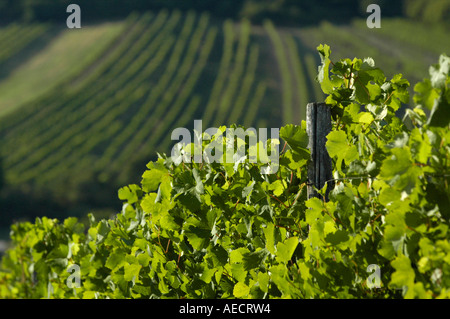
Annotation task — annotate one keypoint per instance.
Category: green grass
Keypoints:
(84, 110)
(61, 60)
(15, 38)
(284, 69)
(222, 72)
(429, 38)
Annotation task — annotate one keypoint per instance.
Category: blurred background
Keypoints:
(82, 111)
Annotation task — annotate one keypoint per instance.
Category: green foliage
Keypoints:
(216, 230)
(431, 12)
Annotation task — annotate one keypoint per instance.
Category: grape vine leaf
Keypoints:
(440, 113)
(286, 249)
(241, 290)
(296, 137)
(439, 72)
(338, 146)
(323, 75)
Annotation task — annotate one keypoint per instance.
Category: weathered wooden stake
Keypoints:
(318, 125)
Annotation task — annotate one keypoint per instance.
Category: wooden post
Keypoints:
(318, 125)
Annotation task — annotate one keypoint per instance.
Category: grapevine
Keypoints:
(218, 230)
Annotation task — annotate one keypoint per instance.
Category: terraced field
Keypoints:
(82, 113)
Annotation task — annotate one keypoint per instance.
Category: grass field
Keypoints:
(83, 111)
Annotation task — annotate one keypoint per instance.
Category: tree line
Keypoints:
(290, 12)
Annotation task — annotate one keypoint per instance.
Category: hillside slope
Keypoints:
(83, 111)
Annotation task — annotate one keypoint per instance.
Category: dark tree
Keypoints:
(294, 12)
